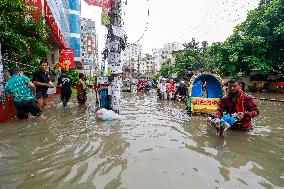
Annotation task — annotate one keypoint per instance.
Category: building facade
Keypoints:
(75, 30)
(63, 19)
(132, 52)
(165, 53)
(89, 45)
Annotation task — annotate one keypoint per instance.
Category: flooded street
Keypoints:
(155, 145)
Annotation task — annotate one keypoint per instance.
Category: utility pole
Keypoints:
(114, 45)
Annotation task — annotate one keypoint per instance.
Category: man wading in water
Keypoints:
(21, 88)
(41, 81)
(237, 102)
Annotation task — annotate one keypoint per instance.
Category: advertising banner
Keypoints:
(99, 3)
(66, 59)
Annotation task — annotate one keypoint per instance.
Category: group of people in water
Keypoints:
(30, 96)
(170, 91)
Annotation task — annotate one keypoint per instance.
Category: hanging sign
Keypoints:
(66, 59)
(105, 17)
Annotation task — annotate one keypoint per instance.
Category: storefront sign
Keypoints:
(66, 59)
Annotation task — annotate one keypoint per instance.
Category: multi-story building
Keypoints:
(131, 54)
(165, 53)
(148, 67)
(89, 45)
(75, 30)
(63, 18)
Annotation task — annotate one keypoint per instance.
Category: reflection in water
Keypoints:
(155, 145)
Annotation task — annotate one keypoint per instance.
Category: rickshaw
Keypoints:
(206, 82)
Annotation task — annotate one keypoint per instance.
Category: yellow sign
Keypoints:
(204, 105)
(108, 72)
(105, 18)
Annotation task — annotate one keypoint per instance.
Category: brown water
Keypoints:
(156, 145)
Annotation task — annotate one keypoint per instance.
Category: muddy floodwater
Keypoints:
(155, 145)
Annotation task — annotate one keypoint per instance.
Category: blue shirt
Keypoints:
(18, 86)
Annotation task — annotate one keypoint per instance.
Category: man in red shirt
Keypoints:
(237, 102)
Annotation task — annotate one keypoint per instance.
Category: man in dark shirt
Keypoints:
(41, 81)
(237, 102)
(64, 82)
(182, 89)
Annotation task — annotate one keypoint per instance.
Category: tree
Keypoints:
(23, 39)
(257, 43)
(193, 57)
(165, 69)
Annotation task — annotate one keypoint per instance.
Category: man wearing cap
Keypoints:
(21, 88)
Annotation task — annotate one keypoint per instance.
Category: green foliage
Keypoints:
(193, 57)
(23, 39)
(74, 75)
(91, 79)
(165, 70)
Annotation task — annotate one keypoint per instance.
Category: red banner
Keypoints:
(66, 59)
(99, 3)
(35, 7)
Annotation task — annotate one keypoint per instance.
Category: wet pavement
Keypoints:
(155, 145)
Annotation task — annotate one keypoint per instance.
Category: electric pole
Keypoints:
(115, 43)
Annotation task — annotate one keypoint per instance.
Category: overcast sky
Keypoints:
(176, 20)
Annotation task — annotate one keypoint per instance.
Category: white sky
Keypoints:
(175, 20)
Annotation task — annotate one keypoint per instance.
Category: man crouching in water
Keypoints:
(237, 102)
